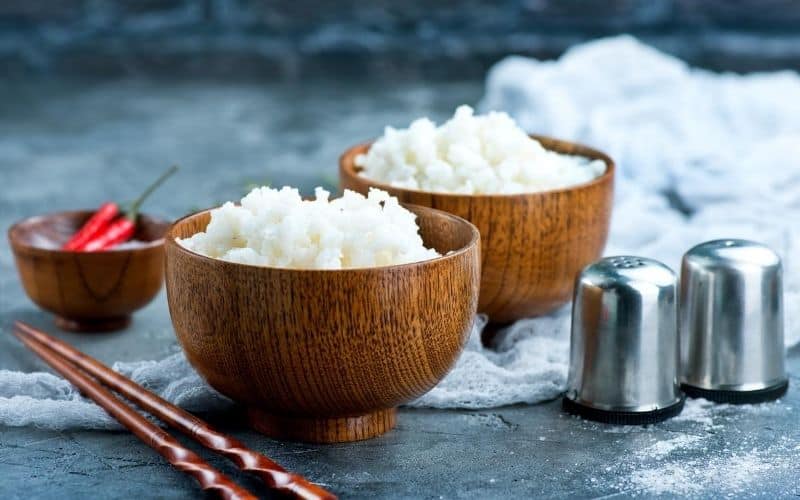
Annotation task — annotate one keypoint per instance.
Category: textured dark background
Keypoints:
(436, 39)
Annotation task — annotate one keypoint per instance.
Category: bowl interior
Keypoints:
(440, 230)
(51, 231)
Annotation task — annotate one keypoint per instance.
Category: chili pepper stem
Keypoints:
(123, 228)
(133, 211)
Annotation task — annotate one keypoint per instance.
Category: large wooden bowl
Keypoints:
(87, 291)
(533, 244)
(325, 355)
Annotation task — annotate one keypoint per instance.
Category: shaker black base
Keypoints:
(738, 397)
(621, 417)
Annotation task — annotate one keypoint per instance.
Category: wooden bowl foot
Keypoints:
(93, 325)
(323, 430)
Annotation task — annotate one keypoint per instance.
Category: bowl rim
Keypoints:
(473, 242)
(18, 245)
(347, 165)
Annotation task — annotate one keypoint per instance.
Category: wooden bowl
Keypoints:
(532, 244)
(325, 355)
(87, 291)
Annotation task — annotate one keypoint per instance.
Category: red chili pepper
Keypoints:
(123, 228)
(92, 227)
(118, 232)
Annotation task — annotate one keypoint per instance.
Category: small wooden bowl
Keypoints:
(87, 291)
(325, 355)
(532, 244)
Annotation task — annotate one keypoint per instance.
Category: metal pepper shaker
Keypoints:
(624, 345)
(731, 322)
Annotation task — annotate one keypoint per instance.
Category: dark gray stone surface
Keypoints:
(439, 38)
(77, 144)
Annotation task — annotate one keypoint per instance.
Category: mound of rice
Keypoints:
(470, 154)
(278, 228)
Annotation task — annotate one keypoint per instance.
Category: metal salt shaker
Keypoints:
(731, 322)
(624, 348)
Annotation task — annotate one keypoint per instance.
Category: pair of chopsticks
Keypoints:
(69, 362)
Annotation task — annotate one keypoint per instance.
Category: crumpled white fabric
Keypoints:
(48, 401)
(700, 156)
(527, 364)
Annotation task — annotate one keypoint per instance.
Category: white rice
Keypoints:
(487, 154)
(278, 228)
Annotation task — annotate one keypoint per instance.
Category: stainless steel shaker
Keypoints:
(731, 322)
(624, 345)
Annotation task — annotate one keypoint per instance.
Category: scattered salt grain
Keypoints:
(699, 411)
(694, 461)
(663, 448)
(730, 474)
(487, 154)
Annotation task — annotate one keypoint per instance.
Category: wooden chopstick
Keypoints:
(275, 476)
(182, 458)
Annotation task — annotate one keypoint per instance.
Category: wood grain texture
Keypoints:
(533, 244)
(276, 477)
(327, 430)
(336, 350)
(94, 291)
(183, 459)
